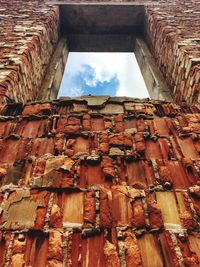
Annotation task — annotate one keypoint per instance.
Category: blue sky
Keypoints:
(115, 74)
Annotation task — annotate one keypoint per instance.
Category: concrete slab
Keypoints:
(101, 42)
(101, 19)
(101, 28)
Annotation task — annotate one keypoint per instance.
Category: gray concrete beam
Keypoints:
(101, 19)
(101, 42)
(118, 3)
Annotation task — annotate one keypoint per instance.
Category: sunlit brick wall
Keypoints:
(100, 182)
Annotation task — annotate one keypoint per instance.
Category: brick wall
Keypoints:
(99, 181)
(174, 37)
(28, 35)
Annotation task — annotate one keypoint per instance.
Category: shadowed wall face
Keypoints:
(28, 35)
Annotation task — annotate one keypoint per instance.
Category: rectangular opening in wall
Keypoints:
(102, 43)
(100, 73)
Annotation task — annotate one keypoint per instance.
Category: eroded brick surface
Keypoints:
(60, 189)
(28, 36)
(99, 181)
(176, 46)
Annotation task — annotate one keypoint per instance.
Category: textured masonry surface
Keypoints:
(28, 36)
(100, 181)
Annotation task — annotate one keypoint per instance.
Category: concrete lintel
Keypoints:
(154, 80)
(101, 19)
(144, 3)
(101, 43)
(54, 74)
(54, 2)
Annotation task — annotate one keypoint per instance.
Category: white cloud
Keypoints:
(76, 91)
(73, 91)
(105, 66)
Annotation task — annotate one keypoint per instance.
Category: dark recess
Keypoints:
(98, 28)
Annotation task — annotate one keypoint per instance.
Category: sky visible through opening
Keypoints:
(114, 74)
